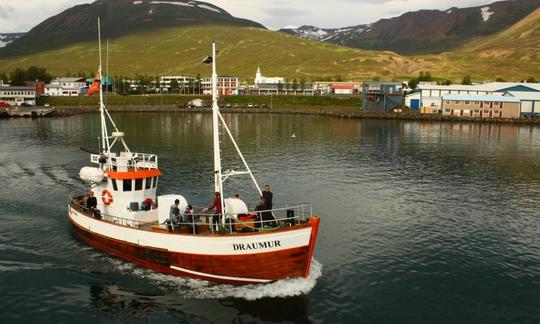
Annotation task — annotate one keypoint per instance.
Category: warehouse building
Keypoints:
(429, 97)
(481, 106)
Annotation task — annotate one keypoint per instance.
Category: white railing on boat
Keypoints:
(287, 215)
(126, 160)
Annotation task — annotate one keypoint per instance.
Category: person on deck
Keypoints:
(147, 204)
(216, 206)
(174, 215)
(189, 218)
(268, 197)
(91, 204)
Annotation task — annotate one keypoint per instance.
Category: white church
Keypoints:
(260, 79)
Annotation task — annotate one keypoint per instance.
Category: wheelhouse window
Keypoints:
(138, 184)
(127, 185)
(148, 183)
(114, 185)
(155, 182)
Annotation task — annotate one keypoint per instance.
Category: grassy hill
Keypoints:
(510, 54)
(180, 50)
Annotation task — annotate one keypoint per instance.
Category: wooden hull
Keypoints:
(273, 262)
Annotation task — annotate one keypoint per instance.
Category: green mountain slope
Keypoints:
(119, 18)
(510, 54)
(179, 51)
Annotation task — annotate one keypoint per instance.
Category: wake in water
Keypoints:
(199, 289)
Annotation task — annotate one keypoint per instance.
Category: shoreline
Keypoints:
(333, 111)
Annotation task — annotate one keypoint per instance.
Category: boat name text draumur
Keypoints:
(256, 245)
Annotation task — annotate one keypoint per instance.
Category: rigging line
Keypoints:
(239, 153)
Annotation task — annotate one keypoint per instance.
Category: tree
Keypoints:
(466, 80)
(302, 84)
(531, 79)
(198, 80)
(294, 84)
(174, 85)
(500, 80)
(17, 77)
(279, 87)
(4, 77)
(35, 73)
(338, 78)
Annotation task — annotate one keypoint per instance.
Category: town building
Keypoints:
(429, 97)
(226, 85)
(260, 79)
(183, 82)
(485, 106)
(337, 88)
(17, 96)
(65, 87)
(381, 96)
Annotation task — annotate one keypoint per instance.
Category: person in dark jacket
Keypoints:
(268, 197)
(91, 204)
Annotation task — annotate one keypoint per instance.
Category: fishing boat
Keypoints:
(236, 246)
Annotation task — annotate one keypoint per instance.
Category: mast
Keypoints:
(218, 185)
(104, 134)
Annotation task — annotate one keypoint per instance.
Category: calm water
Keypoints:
(421, 222)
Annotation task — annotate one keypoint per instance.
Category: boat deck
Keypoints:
(202, 224)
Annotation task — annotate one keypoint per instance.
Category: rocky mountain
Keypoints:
(6, 38)
(119, 18)
(425, 31)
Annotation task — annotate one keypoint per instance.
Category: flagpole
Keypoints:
(218, 185)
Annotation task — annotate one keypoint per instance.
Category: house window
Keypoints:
(457, 102)
(496, 112)
(447, 110)
(148, 184)
(467, 102)
(138, 184)
(486, 111)
(476, 111)
(127, 185)
(449, 102)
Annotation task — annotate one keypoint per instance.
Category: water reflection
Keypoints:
(115, 300)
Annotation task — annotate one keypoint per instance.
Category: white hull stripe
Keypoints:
(202, 274)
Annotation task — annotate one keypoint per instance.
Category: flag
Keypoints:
(208, 60)
(95, 86)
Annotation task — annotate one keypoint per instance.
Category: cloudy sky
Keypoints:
(22, 15)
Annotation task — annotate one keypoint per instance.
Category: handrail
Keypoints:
(282, 218)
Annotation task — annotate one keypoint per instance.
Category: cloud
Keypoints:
(288, 12)
(6, 11)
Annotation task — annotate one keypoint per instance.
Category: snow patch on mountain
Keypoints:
(486, 14)
(209, 8)
(6, 39)
(173, 3)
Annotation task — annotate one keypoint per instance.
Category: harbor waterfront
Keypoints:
(423, 222)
